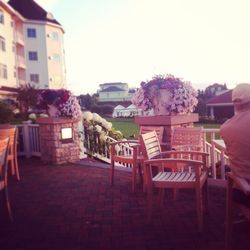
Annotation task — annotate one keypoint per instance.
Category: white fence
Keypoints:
(29, 145)
(29, 141)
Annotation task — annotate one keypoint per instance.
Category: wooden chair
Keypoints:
(187, 138)
(173, 178)
(130, 154)
(12, 133)
(159, 131)
(126, 153)
(242, 185)
(4, 143)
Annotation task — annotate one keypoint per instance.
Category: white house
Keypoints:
(31, 47)
(115, 92)
(130, 111)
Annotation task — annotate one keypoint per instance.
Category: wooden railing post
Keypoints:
(26, 138)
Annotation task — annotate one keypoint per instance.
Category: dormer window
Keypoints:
(50, 16)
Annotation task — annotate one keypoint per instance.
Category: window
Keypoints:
(3, 71)
(33, 56)
(55, 36)
(57, 79)
(34, 78)
(31, 33)
(56, 57)
(1, 17)
(2, 44)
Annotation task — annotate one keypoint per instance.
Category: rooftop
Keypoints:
(73, 207)
(225, 98)
(31, 10)
(112, 89)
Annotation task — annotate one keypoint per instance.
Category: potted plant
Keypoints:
(166, 95)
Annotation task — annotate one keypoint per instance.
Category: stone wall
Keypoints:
(168, 122)
(54, 150)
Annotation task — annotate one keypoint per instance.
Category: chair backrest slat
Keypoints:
(158, 129)
(151, 145)
(183, 136)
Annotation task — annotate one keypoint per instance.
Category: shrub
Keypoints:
(6, 114)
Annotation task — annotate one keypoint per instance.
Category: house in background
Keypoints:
(31, 47)
(221, 106)
(115, 92)
(130, 111)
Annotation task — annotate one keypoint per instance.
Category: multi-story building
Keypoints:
(31, 47)
(115, 92)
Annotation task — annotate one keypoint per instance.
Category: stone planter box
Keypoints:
(55, 149)
(168, 122)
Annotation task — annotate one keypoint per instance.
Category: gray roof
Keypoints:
(112, 89)
(31, 10)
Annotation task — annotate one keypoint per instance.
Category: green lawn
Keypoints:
(129, 128)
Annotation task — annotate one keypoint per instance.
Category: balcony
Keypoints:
(21, 62)
(19, 38)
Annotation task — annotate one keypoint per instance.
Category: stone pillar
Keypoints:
(168, 122)
(54, 149)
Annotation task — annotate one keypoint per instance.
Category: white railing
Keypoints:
(29, 141)
(29, 145)
(218, 159)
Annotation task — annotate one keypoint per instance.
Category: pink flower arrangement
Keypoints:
(166, 93)
(62, 100)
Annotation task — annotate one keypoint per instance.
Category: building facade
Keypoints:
(31, 47)
(115, 92)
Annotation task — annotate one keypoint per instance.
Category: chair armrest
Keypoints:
(176, 152)
(186, 147)
(240, 183)
(172, 162)
(125, 142)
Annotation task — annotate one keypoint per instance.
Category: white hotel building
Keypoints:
(31, 48)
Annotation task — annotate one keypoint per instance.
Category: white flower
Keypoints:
(103, 136)
(43, 115)
(91, 127)
(32, 116)
(108, 126)
(88, 116)
(98, 128)
(97, 118)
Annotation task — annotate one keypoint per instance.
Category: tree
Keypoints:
(87, 101)
(6, 114)
(27, 97)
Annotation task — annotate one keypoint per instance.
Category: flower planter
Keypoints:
(168, 122)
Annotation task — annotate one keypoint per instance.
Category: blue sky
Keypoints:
(202, 41)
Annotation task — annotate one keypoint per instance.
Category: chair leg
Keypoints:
(7, 202)
(199, 208)
(112, 173)
(175, 193)
(229, 216)
(205, 197)
(12, 166)
(161, 197)
(17, 168)
(149, 203)
(134, 172)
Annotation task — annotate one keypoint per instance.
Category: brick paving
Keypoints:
(73, 207)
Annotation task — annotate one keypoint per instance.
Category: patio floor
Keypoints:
(73, 207)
